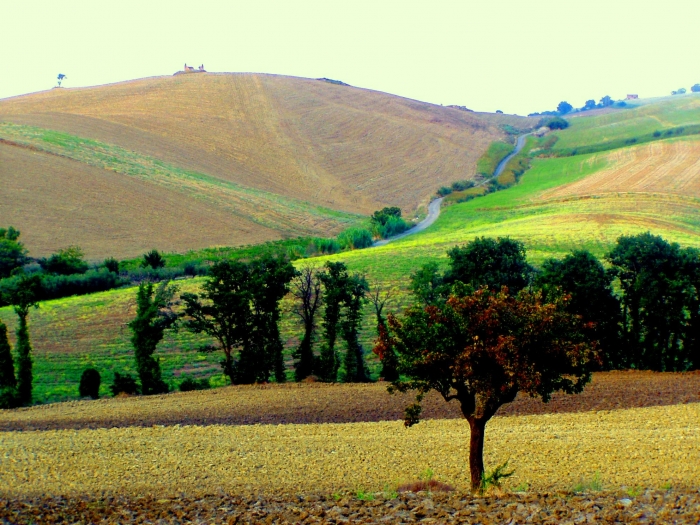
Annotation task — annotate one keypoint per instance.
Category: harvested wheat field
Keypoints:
(579, 458)
(669, 166)
(336, 403)
(646, 447)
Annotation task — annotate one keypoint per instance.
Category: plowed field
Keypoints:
(339, 403)
(647, 447)
(657, 167)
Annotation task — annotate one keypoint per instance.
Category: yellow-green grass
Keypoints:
(488, 162)
(644, 119)
(549, 222)
(645, 447)
(553, 210)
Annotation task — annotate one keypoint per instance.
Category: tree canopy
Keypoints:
(482, 348)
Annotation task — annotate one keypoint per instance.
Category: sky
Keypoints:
(514, 56)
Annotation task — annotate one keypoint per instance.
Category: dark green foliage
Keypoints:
(326, 246)
(190, 383)
(261, 355)
(427, 284)
(225, 310)
(695, 88)
(8, 382)
(554, 123)
(583, 277)
(12, 252)
(241, 311)
(590, 104)
(23, 297)
(334, 279)
(112, 265)
(355, 366)
(660, 285)
(444, 191)
(383, 215)
(153, 259)
(67, 261)
(153, 316)
(490, 262)
(306, 288)
(462, 185)
(124, 384)
(355, 239)
(564, 107)
(90, 383)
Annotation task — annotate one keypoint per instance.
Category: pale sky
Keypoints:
(516, 56)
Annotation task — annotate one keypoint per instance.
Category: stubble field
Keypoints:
(580, 457)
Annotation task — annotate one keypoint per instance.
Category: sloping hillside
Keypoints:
(317, 145)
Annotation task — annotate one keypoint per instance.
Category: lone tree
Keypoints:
(153, 316)
(153, 259)
(306, 288)
(60, 78)
(482, 349)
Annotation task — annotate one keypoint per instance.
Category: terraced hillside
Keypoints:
(196, 160)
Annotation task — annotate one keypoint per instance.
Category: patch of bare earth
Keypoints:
(337, 403)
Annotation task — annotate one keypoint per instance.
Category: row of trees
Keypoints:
(651, 322)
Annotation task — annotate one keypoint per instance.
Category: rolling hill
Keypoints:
(192, 161)
(561, 203)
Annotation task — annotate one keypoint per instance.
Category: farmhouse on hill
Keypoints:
(190, 69)
(632, 97)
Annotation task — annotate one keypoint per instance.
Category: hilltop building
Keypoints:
(632, 97)
(190, 69)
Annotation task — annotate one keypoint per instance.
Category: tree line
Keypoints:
(642, 310)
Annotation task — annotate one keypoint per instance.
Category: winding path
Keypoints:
(433, 214)
(434, 206)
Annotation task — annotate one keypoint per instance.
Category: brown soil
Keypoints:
(673, 506)
(337, 403)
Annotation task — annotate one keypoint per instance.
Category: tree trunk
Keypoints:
(477, 427)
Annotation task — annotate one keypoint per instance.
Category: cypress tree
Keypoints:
(355, 366)
(334, 280)
(7, 365)
(22, 298)
(153, 317)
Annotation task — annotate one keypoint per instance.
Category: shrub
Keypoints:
(657, 134)
(462, 185)
(355, 239)
(124, 384)
(695, 88)
(153, 259)
(9, 397)
(68, 261)
(554, 123)
(326, 245)
(112, 265)
(444, 191)
(90, 383)
(190, 383)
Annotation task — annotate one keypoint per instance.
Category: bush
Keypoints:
(190, 383)
(462, 185)
(326, 246)
(695, 88)
(153, 259)
(68, 261)
(355, 239)
(554, 123)
(112, 265)
(124, 384)
(444, 191)
(90, 383)
(9, 397)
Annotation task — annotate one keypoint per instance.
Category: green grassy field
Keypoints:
(636, 121)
